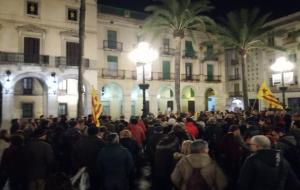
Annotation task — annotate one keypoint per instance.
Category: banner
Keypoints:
(96, 107)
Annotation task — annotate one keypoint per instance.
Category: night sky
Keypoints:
(278, 8)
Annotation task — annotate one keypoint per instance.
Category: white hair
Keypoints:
(261, 141)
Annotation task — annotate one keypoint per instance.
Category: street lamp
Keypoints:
(143, 54)
(282, 65)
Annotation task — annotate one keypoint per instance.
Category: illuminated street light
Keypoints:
(143, 54)
(282, 65)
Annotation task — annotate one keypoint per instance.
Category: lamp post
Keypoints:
(143, 54)
(282, 65)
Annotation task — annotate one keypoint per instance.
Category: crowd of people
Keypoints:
(208, 151)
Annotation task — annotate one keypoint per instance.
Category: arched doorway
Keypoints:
(188, 100)
(210, 100)
(67, 97)
(137, 101)
(30, 98)
(165, 99)
(112, 99)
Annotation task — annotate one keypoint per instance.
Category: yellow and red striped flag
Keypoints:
(265, 94)
(96, 107)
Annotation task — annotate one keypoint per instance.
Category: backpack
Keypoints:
(196, 181)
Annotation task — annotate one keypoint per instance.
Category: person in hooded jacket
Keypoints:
(266, 169)
(198, 159)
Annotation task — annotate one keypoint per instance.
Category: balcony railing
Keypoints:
(112, 45)
(70, 61)
(289, 40)
(212, 78)
(113, 74)
(166, 51)
(209, 56)
(234, 77)
(163, 76)
(190, 54)
(7, 58)
(185, 77)
(235, 94)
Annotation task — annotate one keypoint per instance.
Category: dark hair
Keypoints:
(3, 133)
(133, 120)
(279, 130)
(92, 130)
(16, 140)
(112, 138)
(233, 128)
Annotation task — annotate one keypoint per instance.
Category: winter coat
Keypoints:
(137, 133)
(132, 147)
(115, 166)
(192, 129)
(85, 152)
(39, 159)
(12, 162)
(267, 170)
(210, 171)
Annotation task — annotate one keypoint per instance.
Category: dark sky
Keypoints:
(278, 8)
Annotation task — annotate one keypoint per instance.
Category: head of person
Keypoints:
(125, 134)
(16, 140)
(93, 130)
(259, 142)
(112, 138)
(199, 146)
(40, 133)
(277, 133)
(133, 120)
(186, 147)
(235, 129)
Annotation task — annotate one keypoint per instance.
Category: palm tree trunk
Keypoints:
(244, 80)
(81, 46)
(177, 73)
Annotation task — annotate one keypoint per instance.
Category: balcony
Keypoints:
(235, 94)
(166, 51)
(112, 45)
(8, 58)
(212, 78)
(190, 54)
(113, 74)
(234, 77)
(163, 76)
(210, 56)
(70, 61)
(289, 40)
(185, 77)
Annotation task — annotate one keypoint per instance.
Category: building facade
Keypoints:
(39, 52)
(284, 33)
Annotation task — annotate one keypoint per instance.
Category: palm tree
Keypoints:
(81, 46)
(178, 17)
(243, 31)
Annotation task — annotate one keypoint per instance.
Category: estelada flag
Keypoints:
(96, 107)
(264, 93)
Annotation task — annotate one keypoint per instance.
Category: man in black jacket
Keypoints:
(266, 169)
(40, 159)
(115, 164)
(85, 154)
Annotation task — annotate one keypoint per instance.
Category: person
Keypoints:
(191, 128)
(231, 150)
(185, 149)
(198, 159)
(266, 169)
(12, 163)
(4, 141)
(137, 132)
(39, 160)
(127, 142)
(85, 154)
(114, 165)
